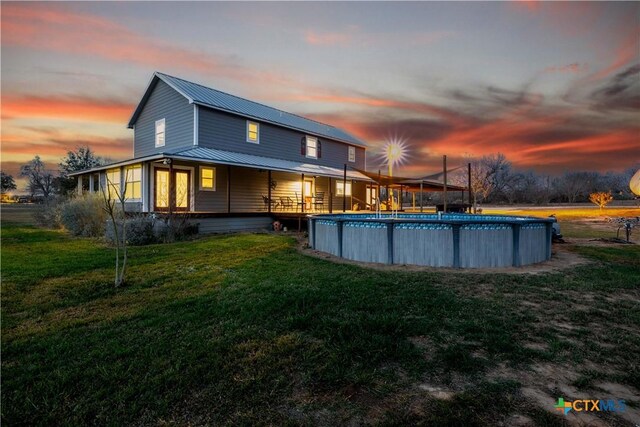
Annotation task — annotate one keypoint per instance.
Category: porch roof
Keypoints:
(214, 156)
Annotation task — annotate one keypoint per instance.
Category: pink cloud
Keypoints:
(327, 39)
(574, 68)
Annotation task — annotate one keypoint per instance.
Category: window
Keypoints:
(340, 188)
(133, 180)
(312, 147)
(253, 132)
(113, 183)
(352, 154)
(160, 133)
(208, 179)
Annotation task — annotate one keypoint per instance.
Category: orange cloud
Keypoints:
(46, 28)
(70, 108)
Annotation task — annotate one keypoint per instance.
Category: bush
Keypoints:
(176, 227)
(141, 230)
(84, 216)
(48, 213)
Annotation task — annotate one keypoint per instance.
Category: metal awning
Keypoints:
(409, 184)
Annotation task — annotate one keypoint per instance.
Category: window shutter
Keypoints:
(319, 149)
(303, 146)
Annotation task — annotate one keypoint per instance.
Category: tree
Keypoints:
(82, 158)
(601, 199)
(114, 205)
(40, 179)
(7, 182)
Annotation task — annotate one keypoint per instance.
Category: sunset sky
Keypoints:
(554, 86)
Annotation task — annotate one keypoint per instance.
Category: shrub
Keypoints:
(141, 230)
(176, 227)
(84, 216)
(48, 213)
(601, 199)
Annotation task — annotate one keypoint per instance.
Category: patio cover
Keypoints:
(409, 184)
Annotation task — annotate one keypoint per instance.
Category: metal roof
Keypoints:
(212, 98)
(211, 155)
(248, 160)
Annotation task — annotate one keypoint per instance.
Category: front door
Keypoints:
(179, 197)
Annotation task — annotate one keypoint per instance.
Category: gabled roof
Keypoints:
(211, 98)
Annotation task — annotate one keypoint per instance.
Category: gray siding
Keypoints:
(232, 225)
(166, 103)
(249, 185)
(228, 132)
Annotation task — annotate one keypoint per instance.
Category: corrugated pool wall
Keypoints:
(433, 244)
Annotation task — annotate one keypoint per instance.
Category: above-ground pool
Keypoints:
(446, 240)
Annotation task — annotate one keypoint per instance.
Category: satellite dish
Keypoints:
(634, 183)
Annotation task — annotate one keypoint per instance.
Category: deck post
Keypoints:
(378, 194)
(469, 186)
(444, 168)
(421, 187)
(269, 191)
(344, 189)
(228, 189)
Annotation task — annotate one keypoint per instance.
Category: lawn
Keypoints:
(246, 329)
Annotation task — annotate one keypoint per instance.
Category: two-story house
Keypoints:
(199, 150)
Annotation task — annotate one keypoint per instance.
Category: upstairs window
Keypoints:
(208, 179)
(113, 183)
(253, 132)
(160, 133)
(352, 154)
(133, 182)
(311, 147)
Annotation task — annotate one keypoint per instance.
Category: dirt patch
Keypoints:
(562, 258)
(436, 392)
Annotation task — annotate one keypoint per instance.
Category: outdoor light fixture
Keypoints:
(166, 162)
(394, 152)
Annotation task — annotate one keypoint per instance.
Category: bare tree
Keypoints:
(114, 206)
(40, 179)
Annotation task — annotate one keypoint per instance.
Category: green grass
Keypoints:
(245, 329)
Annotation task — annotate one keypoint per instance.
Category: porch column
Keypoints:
(302, 193)
(228, 189)
(172, 189)
(91, 176)
(344, 189)
(144, 187)
(79, 189)
(421, 186)
(269, 191)
(330, 195)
